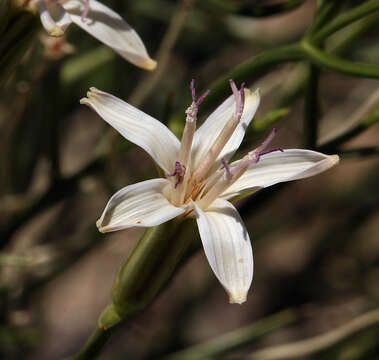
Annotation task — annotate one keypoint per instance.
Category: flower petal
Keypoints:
(54, 17)
(107, 26)
(276, 167)
(227, 247)
(209, 131)
(142, 204)
(136, 126)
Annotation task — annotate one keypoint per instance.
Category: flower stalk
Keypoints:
(16, 39)
(150, 265)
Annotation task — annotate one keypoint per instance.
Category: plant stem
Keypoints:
(305, 348)
(331, 62)
(142, 276)
(233, 340)
(150, 81)
(324, 12)
(252, 69)
(346, 18)
(94, 345)
(359, 152)
(311, 108)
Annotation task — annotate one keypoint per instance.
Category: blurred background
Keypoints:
(315, 241)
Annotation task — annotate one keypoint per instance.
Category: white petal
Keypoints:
(276, 167)
(209, 131)
(227, 247)
(54, 17)
(142, 204)
(107, 26)
(136, 126)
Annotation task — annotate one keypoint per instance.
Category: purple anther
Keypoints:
(85, 11)
(193, 92)
(239, 97)
(178, 172)
(227, 168)
(242, 92)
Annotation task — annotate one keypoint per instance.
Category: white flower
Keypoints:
(198, 180)
(98, 20)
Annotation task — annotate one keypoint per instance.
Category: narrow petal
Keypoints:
(276, 167)
(209, 131)
(227, 247)
(136, 126)
(107, 26)
(54, 17)
(142, 204)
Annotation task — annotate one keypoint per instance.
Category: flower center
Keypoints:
(199, 184)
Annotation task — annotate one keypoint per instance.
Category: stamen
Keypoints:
(224, 136)
(85, 11)
(178, 172)
(267, 141)
(229, 174)
(193, 92)
(252, 157)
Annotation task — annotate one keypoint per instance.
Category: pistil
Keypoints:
(186, 144)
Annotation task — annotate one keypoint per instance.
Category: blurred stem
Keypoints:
(145, 272)
(305, 348)
(331, 62)
(55, 193)
(350, 37)
(16, 260)
(346, 18)
(325, 11)
(235, 339)
(150, 266)
(352, 34)
(5, 14)
(359, 153)
(311, 108)
(252, 69)
(260, 9)
(16, 39)
(364, 124)
(94, 345)
(150, 81)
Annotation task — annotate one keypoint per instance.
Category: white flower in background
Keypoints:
(199, 181)
(98, 20)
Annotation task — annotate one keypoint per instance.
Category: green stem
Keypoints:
(356, 129)
(233, 340)
(311, 108)
(16, 39)
(324, 12)
(308, 347)
(150, 266)
(251, 70)
(94, 345)
(255, 9)
(5, 14)
(142, 276)
(352, 34)
(346, 18)
(331, 62)
(359, 152)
